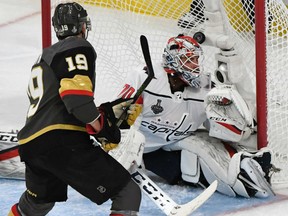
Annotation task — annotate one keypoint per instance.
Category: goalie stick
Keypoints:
(164, 202)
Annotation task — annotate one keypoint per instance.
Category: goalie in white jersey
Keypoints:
(175, 105)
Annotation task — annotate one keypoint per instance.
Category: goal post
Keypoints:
(259, 29)
(261, 75)
(46, 23)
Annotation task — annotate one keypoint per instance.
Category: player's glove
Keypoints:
(133, 112)
(109, 136)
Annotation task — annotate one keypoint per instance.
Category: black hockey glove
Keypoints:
(109, 135)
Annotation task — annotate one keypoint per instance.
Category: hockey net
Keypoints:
(117, 26)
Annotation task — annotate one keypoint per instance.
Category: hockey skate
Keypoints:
(256, 178)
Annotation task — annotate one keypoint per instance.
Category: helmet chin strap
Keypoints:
(86, 36)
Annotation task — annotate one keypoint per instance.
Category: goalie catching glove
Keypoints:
(109, 135)
(229, 116)
(133, 112)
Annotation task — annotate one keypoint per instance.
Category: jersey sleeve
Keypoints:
(74, 67)
(77, 95)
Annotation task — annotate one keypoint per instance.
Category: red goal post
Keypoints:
(261, 76)
(259, 32)
(46, 23)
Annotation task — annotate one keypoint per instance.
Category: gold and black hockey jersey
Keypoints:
(61, 89)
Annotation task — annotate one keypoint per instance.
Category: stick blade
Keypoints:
(190, 207)
(146, 55)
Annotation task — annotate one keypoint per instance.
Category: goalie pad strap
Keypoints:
(190, 166)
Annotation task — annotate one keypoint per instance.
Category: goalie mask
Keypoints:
(69, 19)
(183, 56)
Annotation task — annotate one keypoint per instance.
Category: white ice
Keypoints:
(20, 33)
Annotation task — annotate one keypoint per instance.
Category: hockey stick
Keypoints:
(164, 202)
(150, 72)
(8, 138)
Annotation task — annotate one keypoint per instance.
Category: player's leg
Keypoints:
(43, 190)
(93, 173)
(28, 206)
(126, 202)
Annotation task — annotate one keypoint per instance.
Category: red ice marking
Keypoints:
(279, 198)
(19, 19)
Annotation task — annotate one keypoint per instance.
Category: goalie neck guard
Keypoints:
(183, 56)
(68, 20)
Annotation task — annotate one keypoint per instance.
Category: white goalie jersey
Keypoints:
(166, 117)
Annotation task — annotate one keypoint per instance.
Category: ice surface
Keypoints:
(20, 34)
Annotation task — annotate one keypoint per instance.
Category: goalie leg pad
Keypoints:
(130, 150)
(209, 155)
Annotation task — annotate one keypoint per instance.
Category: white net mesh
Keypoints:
(117, 26)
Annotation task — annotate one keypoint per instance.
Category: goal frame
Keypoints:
(260, 49)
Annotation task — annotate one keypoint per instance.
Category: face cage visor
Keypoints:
(88, 25)
(191, 67)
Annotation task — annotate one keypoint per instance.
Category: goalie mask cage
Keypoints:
(260, 38)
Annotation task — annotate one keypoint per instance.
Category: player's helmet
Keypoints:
(68, 20)
(178, 47)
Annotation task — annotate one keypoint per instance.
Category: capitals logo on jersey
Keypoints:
(178, 131)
